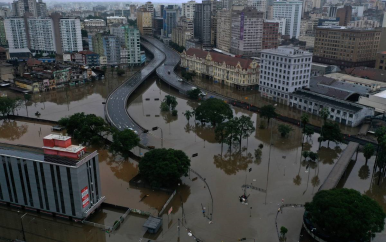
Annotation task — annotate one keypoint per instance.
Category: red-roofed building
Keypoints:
(232, 71)
(381, 60)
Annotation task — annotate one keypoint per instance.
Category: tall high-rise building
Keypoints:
(224, 27)
(41, 34)
(344, 15)
(145, 22)
(188, 9)
(20, 7)
(284, 70)
(3, 36)
(59, 178)
(271, 35)
(41, 9)
(202, 22)
(346, 47)
(131, 41)
(70, 34)
(170, 16)
(292, 12)
(247, 31)
(260, 5)
(150, 8)
(16, 33)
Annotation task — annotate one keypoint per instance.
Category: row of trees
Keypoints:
(169, 103)
(176, 47)
(9, 105)
(188, 75)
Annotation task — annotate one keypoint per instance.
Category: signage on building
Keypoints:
(85, 198)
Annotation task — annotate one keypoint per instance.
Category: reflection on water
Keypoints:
(328, 155)
(233, 162)
(11, 130)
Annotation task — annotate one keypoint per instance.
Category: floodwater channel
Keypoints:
(280, 171)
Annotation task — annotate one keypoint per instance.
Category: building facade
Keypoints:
(15, 31)
(170, 15)
(3, 36)
(260, 5)
(346, 47)
(283, 71)
(150, 8)
(232, 71)
(381, 60)
(281, 22)
(188, 9)
(59, 178)
(41, 9)
(344, 15)
(132, 44)
(86, 57)
(202, 22)
(94, 23)
(183, 31)
(116, 20)
(292, 12)
(224, 25)
(20, 7)
(145, 22)
(70, 34)
(41, 35)
(246, 31)
(271, 35)
(344, 112)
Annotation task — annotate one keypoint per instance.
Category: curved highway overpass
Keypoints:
(116, 103)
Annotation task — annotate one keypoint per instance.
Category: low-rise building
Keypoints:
(374, 85)
(116, 20)
(232, 71)
(4, 54)
(375, 100)
(367, 73)
(86, 57)
(344, 112)
(94, 23)
(60, 178)
(6, 72)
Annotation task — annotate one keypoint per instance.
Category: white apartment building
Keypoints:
(188, 9)
(282, 24)
(292, 12)
(70, 34)
(19, 8)
(116, 20)
(283, 71)
(94, 23)
(260, 5)
(41, 34)
(15, 32)
(150, 8)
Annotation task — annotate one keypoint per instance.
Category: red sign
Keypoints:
(170, 210)
(85, 199)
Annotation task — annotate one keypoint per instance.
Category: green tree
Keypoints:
(305, 154)
(304, 120)
(331, 132)
(324, 113)
(174, 112)
(9, 105)
(164, 107)
(171, 101)
(188, 114)
(283, 231)
(164, 167)
(123, 142)
(244, 127)
(221, 133)
(345, 214)
(214, 111)
(87, 129)
(120, 72)
(268, 112)
(308, 131)
(284, 129)
(368, 151)
(193, 94)
(313, 156)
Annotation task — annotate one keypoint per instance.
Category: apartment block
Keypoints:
(284, 70)
(224, 25)
(70, 34)
(60, 178)
(41, 35)
(292, 12)
(271, 35)
(3, 36)
(188, 9)
(145, 22)
(183, 31)
(381, 60)
(260, 5)
(344, 15)
(16, 33)
(203, 22)
(346, 47)
(170, 16)
(246, 31)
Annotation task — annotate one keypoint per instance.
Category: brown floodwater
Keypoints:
(283, 173)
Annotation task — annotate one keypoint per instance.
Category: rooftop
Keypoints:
(348, 29)
(329, 100)
(220, 58)
(152, 222)
(287, 51)
(37, 154)
(345, 77)
(86, 52)
(367, 73)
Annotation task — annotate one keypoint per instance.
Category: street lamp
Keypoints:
(269, 157)
(162, 135)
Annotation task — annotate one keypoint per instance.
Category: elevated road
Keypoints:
(116, 103)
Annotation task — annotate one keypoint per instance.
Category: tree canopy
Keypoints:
(268, 112)
(194, 94)
(214, 111)
(87, 129)
(284, 129)
(164, 167)
(9, 105)
(123, 142)
(368, 151)
(331, 132)
(346, 214)
(171, 101)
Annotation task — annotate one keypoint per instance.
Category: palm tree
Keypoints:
(324, 113)
(368, 151)
(188, 114)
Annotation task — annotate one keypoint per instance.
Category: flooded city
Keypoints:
(280, 176)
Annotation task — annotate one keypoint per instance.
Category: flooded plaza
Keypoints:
(281, 175)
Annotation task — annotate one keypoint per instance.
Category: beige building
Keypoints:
(116, 20)
(183, 31)
(224, 35)
(237, 72)
(144, 22)
(346, 47)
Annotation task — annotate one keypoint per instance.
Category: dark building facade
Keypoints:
(203, 22)
(60, 178)
(344, 15)
(271, 35)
